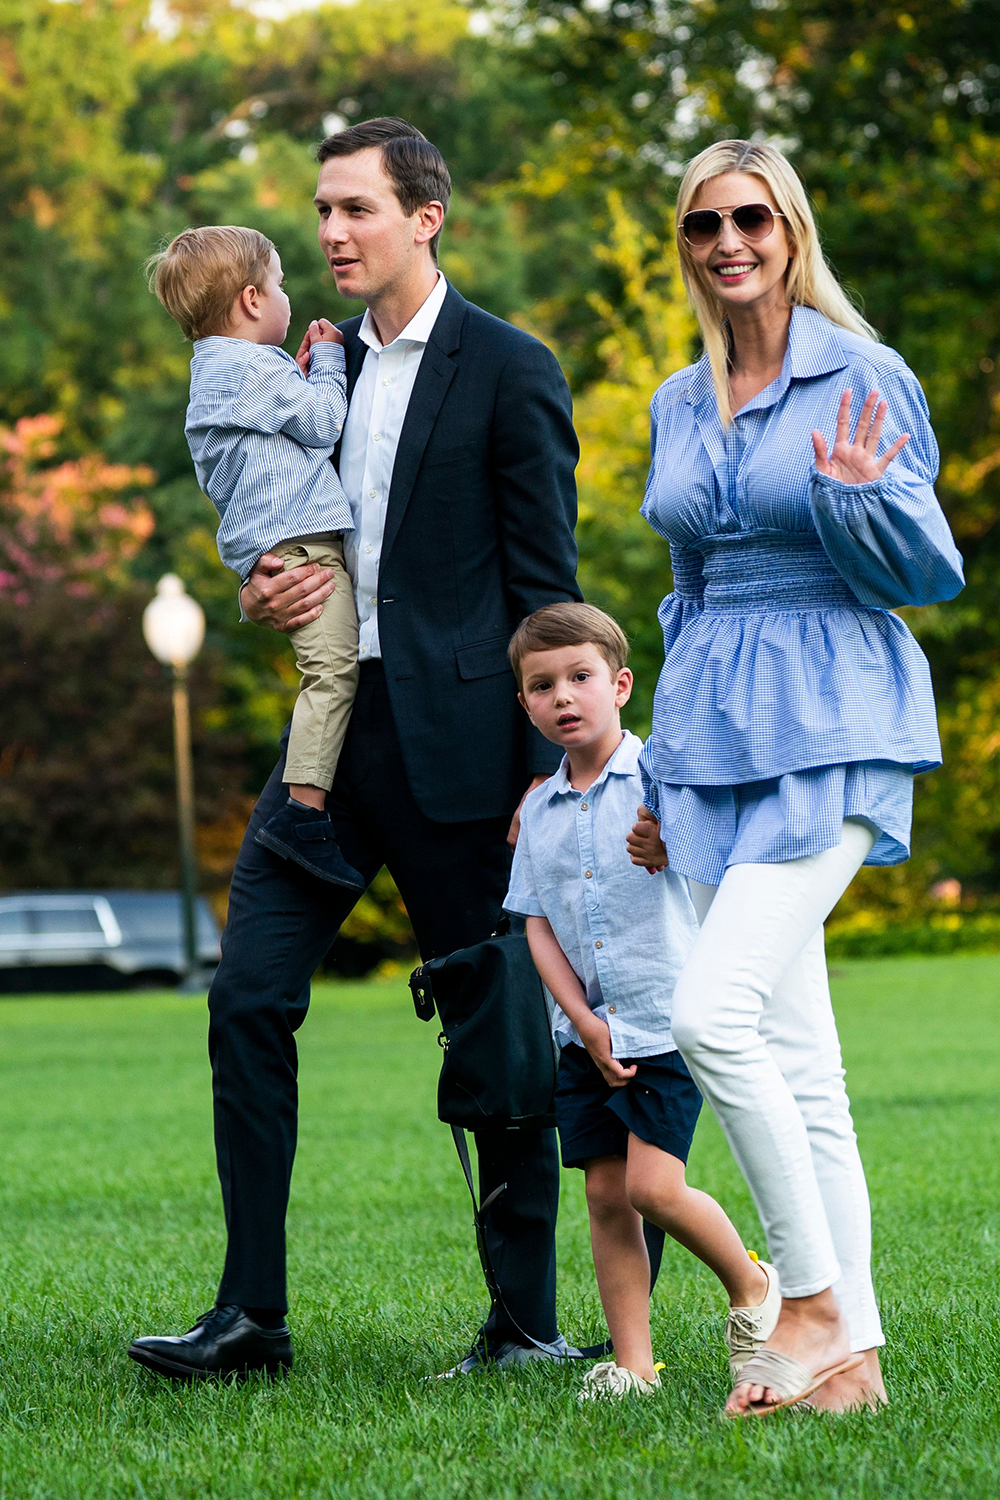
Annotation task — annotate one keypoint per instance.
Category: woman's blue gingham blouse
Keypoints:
(781, 655)
(261, 437)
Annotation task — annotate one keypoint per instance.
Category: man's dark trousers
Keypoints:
(453, 878)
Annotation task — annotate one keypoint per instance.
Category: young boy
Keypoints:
(609, 940)
(262, 428)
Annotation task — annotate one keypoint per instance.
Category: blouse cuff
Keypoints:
(875, 488)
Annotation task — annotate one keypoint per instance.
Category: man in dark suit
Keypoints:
(458, 458)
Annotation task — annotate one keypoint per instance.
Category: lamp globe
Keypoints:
(173, 623)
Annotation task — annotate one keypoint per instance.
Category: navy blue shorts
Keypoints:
(660, 1105)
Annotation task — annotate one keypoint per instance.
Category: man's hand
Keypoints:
(285, 600)
(515, 822)
(596, 1037)
(644, 845)
(320, 331)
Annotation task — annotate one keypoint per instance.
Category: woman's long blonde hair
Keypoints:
(809, 280)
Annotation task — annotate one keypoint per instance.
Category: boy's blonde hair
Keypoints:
(201, 273)
(557, 625)
(809, 281)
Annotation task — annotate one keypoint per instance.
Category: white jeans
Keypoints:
(753, 1020)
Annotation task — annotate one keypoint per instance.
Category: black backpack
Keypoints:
(499, 1066)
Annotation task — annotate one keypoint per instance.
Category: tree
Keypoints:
(86, 768)
(648, 332)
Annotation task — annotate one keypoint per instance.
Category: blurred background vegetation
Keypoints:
(566, 127)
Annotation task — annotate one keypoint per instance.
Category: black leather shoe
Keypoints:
(306, 836)
(224, 1341)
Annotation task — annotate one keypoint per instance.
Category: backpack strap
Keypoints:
(479, 1212)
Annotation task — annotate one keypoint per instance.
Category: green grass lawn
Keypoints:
(110, 1226)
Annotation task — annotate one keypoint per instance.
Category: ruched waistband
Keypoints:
(760, 570)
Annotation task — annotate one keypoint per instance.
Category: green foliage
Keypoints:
(566, 124)
(649, 333)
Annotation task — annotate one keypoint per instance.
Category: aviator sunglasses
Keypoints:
(754, 221)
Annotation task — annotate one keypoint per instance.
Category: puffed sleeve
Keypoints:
(889, 538)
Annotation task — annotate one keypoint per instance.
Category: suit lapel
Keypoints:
(354, 356)
(437, 371)
(354, 353)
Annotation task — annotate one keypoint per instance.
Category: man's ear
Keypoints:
(429, 220)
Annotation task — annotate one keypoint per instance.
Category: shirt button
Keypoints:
(373, 600)
(372, 494)
(387, 381)
(584, 806)
(364, 650)
(588, 874)
(369, 547)
(376, 437)
(598, 944)
(611, 1010)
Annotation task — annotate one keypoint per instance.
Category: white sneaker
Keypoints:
(610, 1382)
(749, 1328)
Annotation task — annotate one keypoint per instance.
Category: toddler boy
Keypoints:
(262, 428)
(609, 940)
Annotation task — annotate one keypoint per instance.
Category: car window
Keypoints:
(82, 919)
(13, 923)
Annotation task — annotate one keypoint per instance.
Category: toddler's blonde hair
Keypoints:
(201, 273)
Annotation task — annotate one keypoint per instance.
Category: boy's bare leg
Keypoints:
(312, 796)
(657, 1189)
(621, 1263)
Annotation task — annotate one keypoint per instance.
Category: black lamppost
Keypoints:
(174, 627)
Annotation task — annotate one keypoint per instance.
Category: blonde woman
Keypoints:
(793, 470)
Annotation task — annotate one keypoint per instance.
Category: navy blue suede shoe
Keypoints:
(306, 836)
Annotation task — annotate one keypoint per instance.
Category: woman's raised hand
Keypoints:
(853, 460)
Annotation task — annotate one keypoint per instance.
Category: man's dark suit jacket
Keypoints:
(478, 533)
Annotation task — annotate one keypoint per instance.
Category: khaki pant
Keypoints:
(326, 652)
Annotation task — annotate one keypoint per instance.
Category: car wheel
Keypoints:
(156, 979)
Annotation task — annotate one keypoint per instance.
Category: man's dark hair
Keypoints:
(415, 166)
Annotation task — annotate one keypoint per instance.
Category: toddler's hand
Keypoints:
(326, 332)
(320, 331)
(644, 845)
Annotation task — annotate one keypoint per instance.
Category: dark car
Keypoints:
(99, 939)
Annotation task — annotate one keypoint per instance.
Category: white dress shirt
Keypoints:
(368, 451)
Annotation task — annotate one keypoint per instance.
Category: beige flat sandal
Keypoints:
(792, 1381)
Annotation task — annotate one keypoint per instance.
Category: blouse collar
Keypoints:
(814, 349)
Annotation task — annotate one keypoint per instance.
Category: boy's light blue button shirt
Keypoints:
(626, 933)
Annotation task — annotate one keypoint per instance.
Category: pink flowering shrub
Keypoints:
(74, 524)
